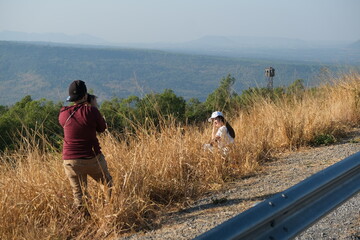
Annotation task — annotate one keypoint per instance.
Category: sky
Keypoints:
(150, 21)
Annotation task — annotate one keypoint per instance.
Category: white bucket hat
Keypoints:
(215, 115)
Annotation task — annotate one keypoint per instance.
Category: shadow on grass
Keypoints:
(224, 202)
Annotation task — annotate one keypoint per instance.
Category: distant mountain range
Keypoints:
(355, 45)
(235, 42)
(52, 37)
(269, 48)
(266, 48)
(44, 70)
(42, 65)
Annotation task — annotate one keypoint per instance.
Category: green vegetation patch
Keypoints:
(323, 139)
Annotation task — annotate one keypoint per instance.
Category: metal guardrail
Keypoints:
(287, 214)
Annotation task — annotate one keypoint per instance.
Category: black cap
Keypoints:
(77, 90)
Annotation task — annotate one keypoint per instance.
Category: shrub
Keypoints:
(323, 139)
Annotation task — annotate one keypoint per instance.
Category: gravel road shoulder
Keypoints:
(287, 170)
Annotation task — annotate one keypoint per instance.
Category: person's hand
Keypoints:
(214, 125)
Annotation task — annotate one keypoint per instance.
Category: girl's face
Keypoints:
(218, 122)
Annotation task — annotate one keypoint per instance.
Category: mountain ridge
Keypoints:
(271, 48)
(45, 70)
(52, 37)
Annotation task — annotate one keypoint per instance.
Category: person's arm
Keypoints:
(214, 135)
(214, 130)
(100, 121)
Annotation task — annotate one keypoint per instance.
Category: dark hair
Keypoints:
(90, 97)
(228, 126)
(230, 130)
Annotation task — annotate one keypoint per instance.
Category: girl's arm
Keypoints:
(214, 138)
(214, 131)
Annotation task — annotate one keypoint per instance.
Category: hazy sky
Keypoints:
(183, 20)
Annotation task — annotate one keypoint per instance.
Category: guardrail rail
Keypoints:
(288, 213)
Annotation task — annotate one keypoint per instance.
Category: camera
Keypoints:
(90, 97)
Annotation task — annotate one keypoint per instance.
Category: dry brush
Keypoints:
(155, 170)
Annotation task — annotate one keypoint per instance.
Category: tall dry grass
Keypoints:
(157, 170)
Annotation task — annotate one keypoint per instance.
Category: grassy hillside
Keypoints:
(155, 171)
(45, 71)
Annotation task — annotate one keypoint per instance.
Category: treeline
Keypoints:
(40, 117)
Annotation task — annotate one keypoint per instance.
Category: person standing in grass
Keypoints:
(81, 149)
(222, 133)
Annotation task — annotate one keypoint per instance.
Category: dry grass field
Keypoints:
(157, 170)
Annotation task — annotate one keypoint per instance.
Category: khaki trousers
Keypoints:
(77, 171)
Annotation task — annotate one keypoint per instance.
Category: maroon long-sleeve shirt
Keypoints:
(80, 123)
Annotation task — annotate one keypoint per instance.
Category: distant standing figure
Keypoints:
(222, 133)
(81, 149)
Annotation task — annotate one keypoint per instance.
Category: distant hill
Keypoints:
(355, 45)
(239, 42)
(51, 37)
(46, 70)
(270, 48)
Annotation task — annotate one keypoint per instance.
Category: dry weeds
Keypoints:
(155, 170)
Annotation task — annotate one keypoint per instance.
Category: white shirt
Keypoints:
(225, 138)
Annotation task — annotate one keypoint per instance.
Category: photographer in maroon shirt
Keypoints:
(81, 150)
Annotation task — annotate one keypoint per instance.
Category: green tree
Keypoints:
(252, 95)
(296, 88)
(156, 107)
(127, 113)
(171, 105)
(196, 111)
(39, 116)
(223, 96)
(120, 113)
